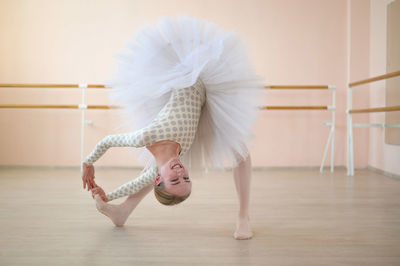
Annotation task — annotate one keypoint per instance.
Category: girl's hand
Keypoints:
(88, 176)
(99, 191)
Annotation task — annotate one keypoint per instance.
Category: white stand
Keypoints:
(83, 107)
(331, 137)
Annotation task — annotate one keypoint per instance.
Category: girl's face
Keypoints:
(175, 177)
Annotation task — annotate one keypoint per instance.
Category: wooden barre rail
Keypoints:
(82, 107)
(350, 112)
(5, 85)
(386, 76)
(297, 87)
(377, 109)
(294, 107)
(272, 87)
(52, 106)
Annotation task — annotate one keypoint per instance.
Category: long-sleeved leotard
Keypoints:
(177, 121)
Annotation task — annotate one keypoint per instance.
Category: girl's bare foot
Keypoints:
(243, 230)
(116, 213)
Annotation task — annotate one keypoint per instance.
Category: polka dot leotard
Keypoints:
(177, 121)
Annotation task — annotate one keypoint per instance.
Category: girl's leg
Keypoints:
(120, 213)
(242, 176)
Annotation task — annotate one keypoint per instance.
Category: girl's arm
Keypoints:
(134, 186)
(134, 139)
(138, 138)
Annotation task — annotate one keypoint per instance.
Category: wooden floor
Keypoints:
(299, 217)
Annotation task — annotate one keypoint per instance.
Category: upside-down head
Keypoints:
(172, 184)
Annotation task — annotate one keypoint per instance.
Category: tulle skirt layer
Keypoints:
(175, 53)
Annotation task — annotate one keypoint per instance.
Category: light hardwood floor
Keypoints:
(299, 217)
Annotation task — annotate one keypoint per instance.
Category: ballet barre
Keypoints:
(47, 85)
(300, 87)
(82, 106)
(331, 137)
(295, 107)
(53, 106)
(350, 112)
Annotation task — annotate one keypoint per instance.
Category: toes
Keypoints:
(241, 236)
(99, 202)
(118, 224)
(101, 207)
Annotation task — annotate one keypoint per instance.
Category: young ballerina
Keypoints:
(192, 97)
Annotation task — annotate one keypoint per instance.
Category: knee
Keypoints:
(240, 159)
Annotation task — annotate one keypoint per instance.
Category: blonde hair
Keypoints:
(167, 198)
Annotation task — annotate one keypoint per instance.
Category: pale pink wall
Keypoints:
(359, 70)
(290, 42)
(382, 156)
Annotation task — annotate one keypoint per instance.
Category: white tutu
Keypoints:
(175, 53)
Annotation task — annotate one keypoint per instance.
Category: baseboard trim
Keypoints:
(385, 173)
(66, 167)
(255, 168)
(326, 168)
